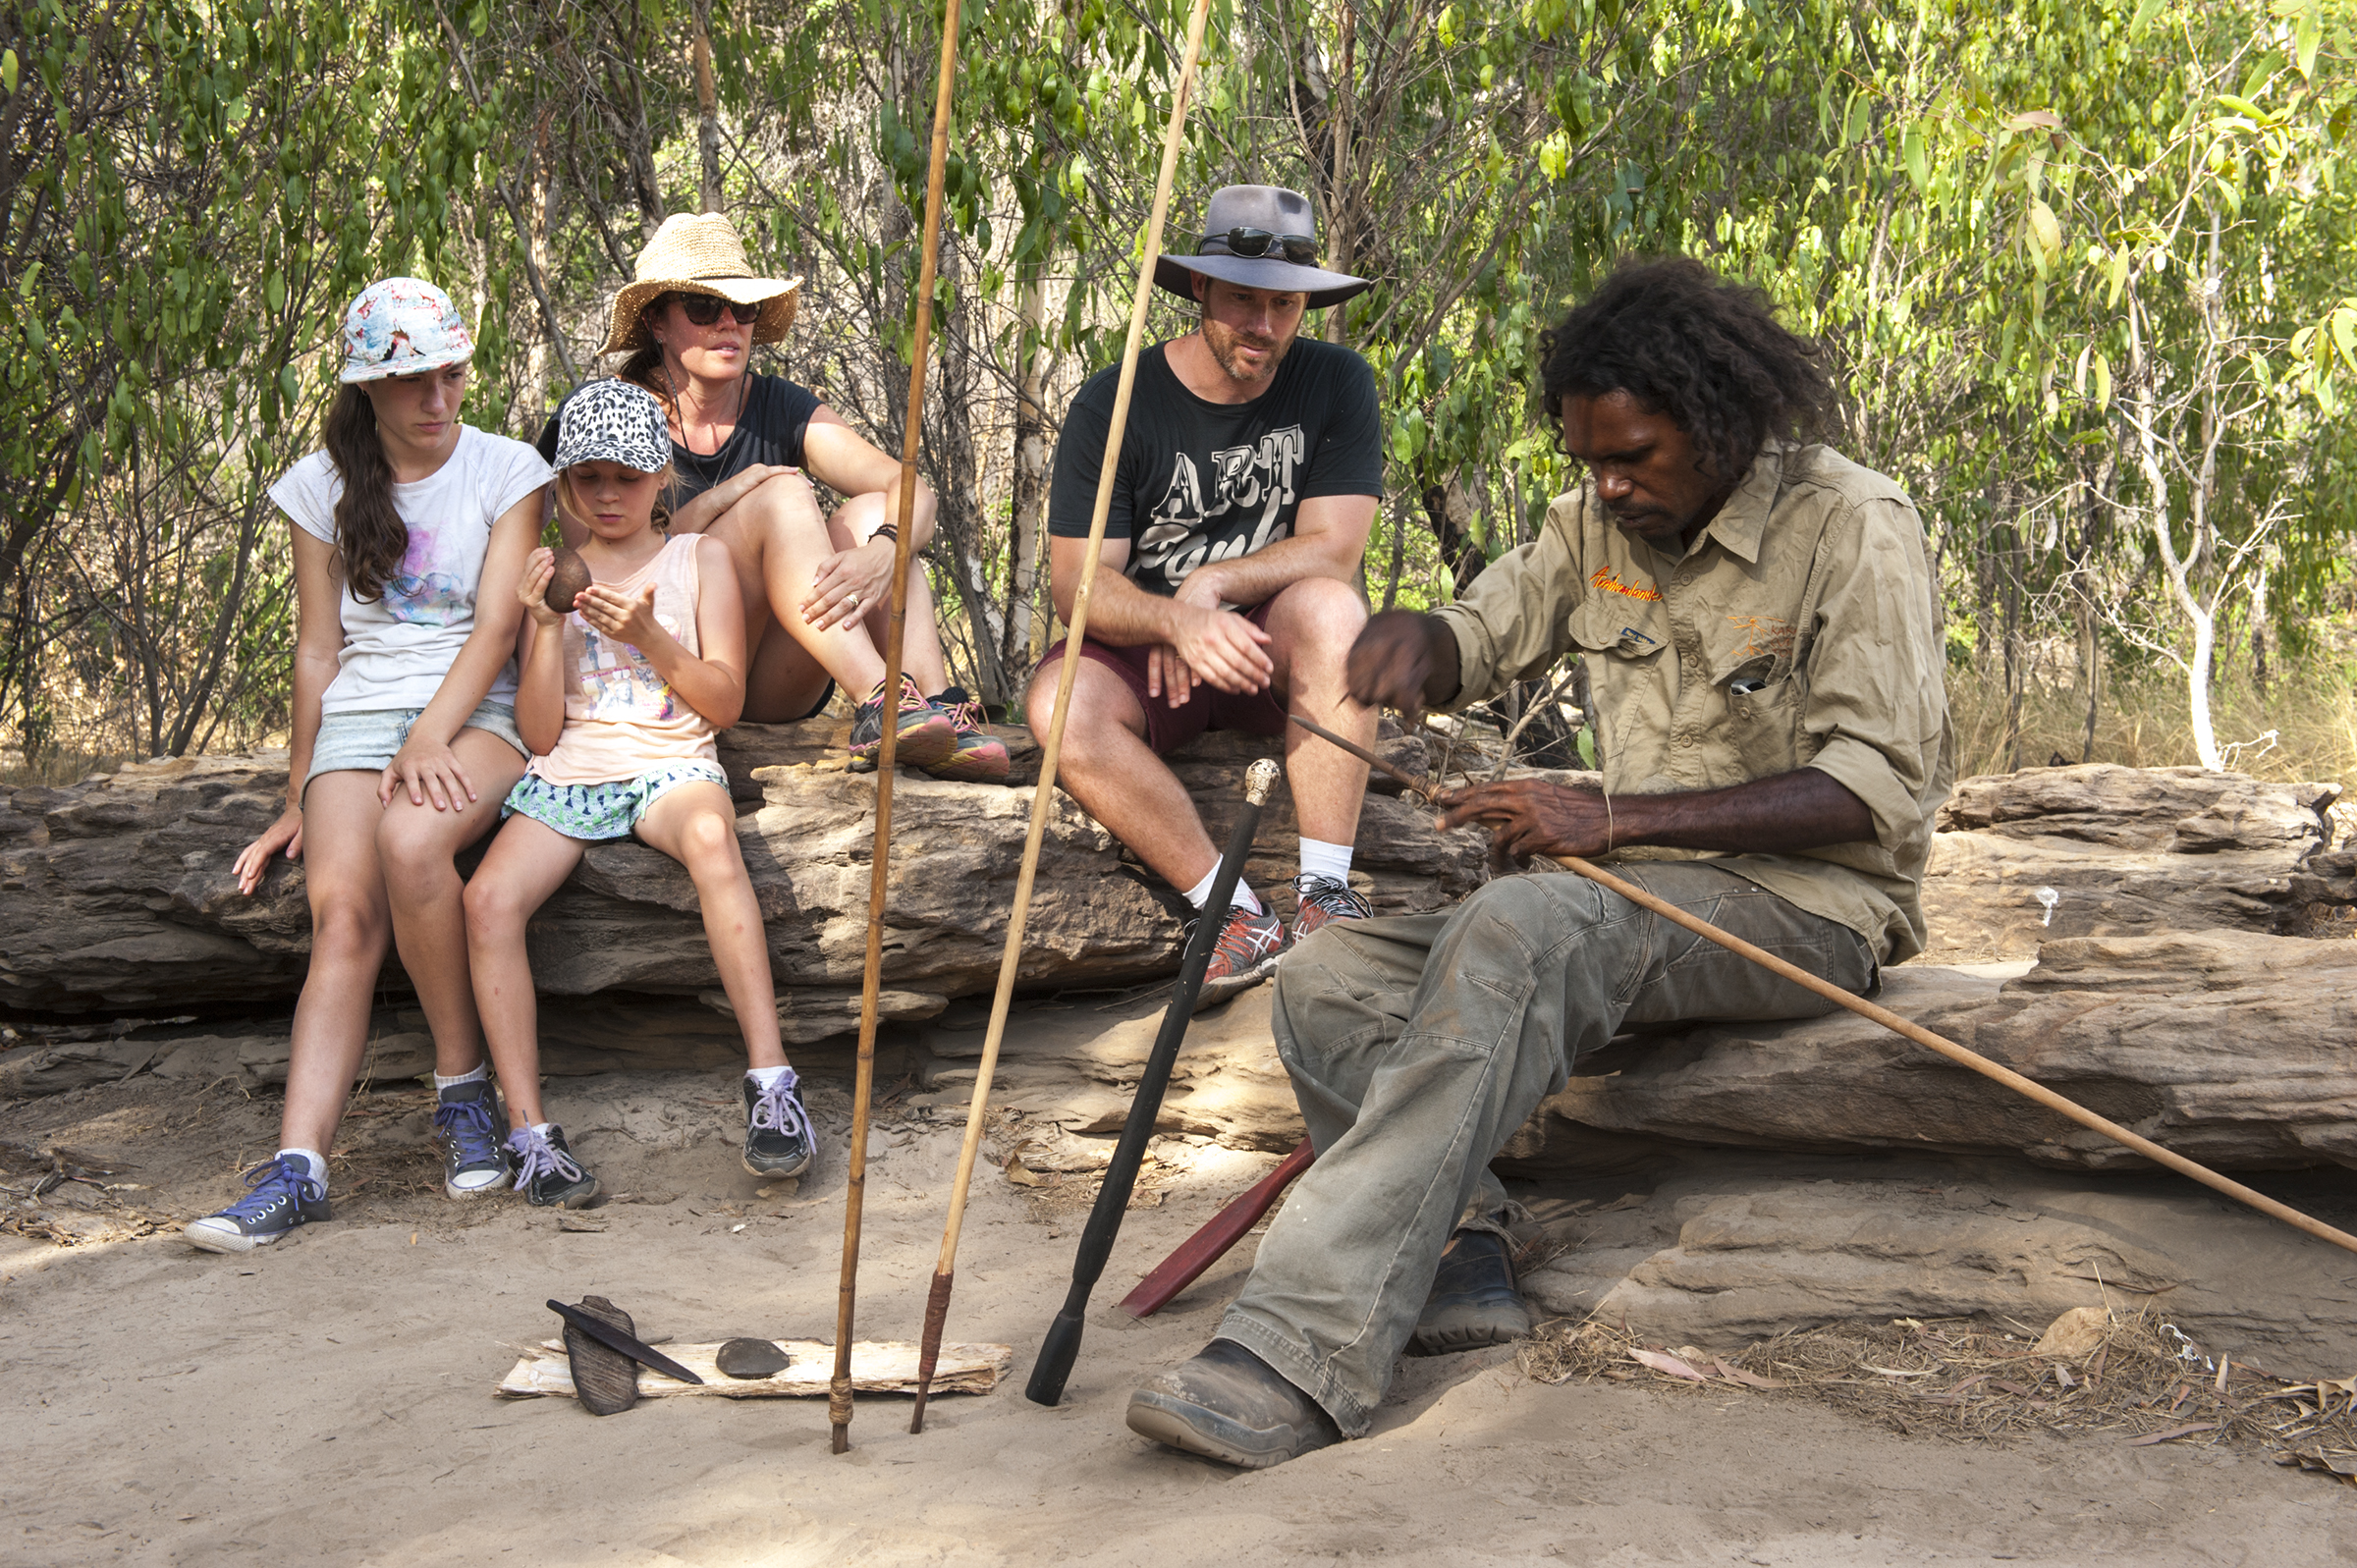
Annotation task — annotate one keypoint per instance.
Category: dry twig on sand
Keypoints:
(1974, 1381)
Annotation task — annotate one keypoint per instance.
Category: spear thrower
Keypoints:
(839, 1388)
(937, 1302)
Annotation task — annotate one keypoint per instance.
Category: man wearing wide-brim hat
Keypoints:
(1247, 479)
(816, 589)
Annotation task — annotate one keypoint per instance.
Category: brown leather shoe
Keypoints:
(1230, 1405)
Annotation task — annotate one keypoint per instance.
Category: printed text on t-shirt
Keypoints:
(1246, 477)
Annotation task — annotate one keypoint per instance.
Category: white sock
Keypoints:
(542, 1128)
(1322, 859)
(767, 1078)
(477, 1076)
(313, 1161)
(1242, 898)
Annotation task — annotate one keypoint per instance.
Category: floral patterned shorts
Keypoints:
(600, 811)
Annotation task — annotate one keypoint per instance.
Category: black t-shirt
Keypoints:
(777, 413)
(1218, 480)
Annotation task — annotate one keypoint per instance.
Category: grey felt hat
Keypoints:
(1271, 208)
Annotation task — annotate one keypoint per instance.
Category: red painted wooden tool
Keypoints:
(1208, 1245)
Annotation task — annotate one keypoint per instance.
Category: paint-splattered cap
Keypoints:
(401, 326)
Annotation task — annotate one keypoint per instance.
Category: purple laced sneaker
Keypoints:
(546, 1172)
(777, 1137)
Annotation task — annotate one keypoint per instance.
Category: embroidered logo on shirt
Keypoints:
(1606, 579)
(1762, 634)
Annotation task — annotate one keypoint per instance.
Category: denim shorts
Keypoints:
(370, 739)
(597, 812)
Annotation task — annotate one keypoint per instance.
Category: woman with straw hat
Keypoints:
(816, 587)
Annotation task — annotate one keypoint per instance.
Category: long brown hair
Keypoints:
(370, 537)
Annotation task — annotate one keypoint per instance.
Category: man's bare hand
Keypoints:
(1393, 663)
(1532, 816)
(1221, 648)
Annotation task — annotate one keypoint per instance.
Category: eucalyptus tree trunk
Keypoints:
(707, 107)
(1021, 646)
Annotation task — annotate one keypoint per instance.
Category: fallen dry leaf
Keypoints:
(1661, 1362)
(1749, 1379)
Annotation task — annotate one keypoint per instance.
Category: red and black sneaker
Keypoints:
(1323, 900)
(980, 757)
(926, 735)
(1243, 956)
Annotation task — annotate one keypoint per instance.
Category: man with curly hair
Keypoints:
(1760, 630)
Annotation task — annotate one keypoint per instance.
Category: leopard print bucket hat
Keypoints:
(613, 421)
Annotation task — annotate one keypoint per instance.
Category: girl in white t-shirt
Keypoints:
(620, 697)
(404, 739)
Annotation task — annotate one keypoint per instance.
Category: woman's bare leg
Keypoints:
(351, 930)
(416, 846)
(777, 541)
(696, 823)
(854, 520)
(529, 861)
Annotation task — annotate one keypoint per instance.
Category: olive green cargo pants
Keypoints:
(1419, 1044)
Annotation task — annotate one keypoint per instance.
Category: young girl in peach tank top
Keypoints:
(620, 700)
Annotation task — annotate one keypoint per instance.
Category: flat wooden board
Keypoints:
(885, 1368)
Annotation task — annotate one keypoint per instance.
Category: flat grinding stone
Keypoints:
(752, 1358)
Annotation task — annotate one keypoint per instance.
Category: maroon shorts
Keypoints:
(1258, 713)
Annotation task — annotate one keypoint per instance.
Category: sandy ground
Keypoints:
(329, 1400)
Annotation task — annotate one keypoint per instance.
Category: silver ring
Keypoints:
(854, 601)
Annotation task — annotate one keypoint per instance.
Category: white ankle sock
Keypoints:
(479, 1074)
(767, 1076)
(1242, 898)
(313, 1161)
(1322, 859)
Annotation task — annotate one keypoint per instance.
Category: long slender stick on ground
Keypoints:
(937, 1302)
(1906, 1028)
(839, 1389)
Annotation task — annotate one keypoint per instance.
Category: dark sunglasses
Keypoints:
(1298, 248)
(704, 308)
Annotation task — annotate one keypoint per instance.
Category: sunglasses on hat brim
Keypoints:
(703, 309)
(1298, 248)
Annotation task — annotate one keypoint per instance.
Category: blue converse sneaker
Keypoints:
(467, 1123)
(777, 1140)
(545, 1171)
(280, 1195)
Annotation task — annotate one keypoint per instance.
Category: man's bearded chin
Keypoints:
(1222, 341)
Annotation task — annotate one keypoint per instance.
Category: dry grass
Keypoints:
(2141, 721)
(1974, 1381)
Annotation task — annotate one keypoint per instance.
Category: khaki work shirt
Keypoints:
(1809, 591)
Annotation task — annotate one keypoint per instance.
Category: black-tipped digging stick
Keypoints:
(1063, 1344)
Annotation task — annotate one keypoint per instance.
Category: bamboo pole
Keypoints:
(937, 1302)
(839, 1389)
(1905, 1028)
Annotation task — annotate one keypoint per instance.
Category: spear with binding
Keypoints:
(839, 1388)
(937, 1302)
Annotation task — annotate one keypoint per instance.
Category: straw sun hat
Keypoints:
(698, 253)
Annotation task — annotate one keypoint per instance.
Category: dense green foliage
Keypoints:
(2089, 270)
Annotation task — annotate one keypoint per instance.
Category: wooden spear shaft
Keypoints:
(1906, 1028)
(912, 431)
(937, 1302)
